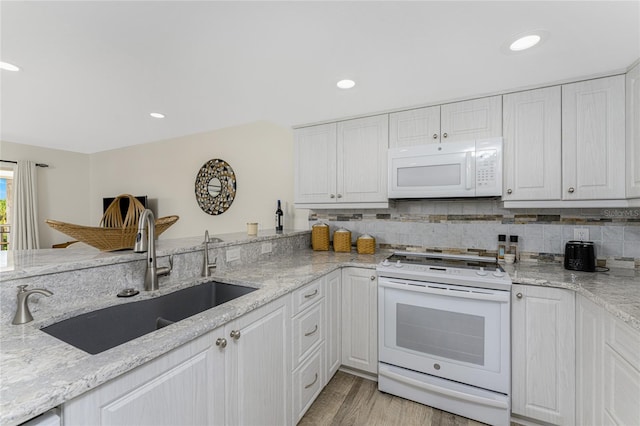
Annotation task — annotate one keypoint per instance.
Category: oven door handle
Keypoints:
(499, 296)
(442, 391)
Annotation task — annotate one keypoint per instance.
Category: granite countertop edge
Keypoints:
(76, 372)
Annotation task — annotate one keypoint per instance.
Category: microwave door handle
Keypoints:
(469, 170)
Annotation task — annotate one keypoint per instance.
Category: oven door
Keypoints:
(441, 170)
(454, 332)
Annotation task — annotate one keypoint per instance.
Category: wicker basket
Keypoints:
(366, 244)
(115, 232)
(320, 236)
(342, 240)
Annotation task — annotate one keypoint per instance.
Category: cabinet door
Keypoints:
(532, 145)
(589, 371)
(475, 119)
(315, 164)
(633, 132)
(543, 354)
(258, 366)
(362, 160)
(333, 319)
(593, 139)
(359, 319)
(621, 373)
(414, 127)
(184, 386)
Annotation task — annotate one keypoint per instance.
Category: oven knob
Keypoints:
(498, 274)
(386, 262)
(398, 264)
(482, 272)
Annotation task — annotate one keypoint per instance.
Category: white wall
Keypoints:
(261, 155)
(63, 187)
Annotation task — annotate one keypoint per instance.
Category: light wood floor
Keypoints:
(352, 400)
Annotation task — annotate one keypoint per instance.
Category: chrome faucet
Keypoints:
(206, 266)
(146, 242)
(23, 315)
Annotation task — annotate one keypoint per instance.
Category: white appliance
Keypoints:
(444, 170)
(444, 333)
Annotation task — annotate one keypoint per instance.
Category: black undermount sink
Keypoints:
(97, 331)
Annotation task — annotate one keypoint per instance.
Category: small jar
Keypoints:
(502, 247)
(513, 247)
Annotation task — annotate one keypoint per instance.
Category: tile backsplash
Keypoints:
(474, 225)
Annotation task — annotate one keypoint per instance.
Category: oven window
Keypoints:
(446, 334)
(437, 175)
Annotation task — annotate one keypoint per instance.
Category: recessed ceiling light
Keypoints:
(346, 84)
(525, 42)
(156, 115)
(9, 67)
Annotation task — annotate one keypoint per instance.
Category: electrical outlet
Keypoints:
(233, 254)
(581, 234)
(267, 248)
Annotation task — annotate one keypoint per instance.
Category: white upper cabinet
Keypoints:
(474, 119)
(532, 145)
(633, 132)
(593, 139)
(414, 127)
(459, 121)
(315, 164)
(342, 165)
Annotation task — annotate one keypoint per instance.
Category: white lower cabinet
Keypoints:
(543, 354)
(308, 368)
(241, 380)
(258, 366)
(184, 386)
(589, 371)
(360, 319)
(333, 318)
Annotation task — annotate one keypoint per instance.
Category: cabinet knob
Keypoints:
(373, 277)
(435, 136)
(222, 342)
(509, 191)
(339, 195)
(235, 334)
(332, 196)
(444, 135)
(571, 190)
(519, 295)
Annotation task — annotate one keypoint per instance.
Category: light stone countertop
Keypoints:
(39, 372)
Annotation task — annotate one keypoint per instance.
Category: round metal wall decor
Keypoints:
(215, 187)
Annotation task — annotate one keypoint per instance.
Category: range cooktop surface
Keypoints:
(474, 271)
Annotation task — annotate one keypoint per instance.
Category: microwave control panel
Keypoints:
(489, 167)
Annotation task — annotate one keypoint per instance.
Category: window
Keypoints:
(6, 183)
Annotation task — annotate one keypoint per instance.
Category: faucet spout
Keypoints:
(206, 266)
(146, 242)
(23, 314)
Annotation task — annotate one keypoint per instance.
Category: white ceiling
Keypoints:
(92, 71)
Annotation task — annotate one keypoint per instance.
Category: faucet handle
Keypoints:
(22, 288)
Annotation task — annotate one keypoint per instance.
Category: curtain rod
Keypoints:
(15, 162)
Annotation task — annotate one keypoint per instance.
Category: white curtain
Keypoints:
(24, 229)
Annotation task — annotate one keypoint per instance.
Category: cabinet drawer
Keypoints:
(307, 383)
(307, 296)
(308, 330)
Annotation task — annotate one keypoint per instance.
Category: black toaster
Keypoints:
(580, 256)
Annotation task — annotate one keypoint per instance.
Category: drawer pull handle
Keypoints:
(307, 296)
(312, 383)
(311, 332)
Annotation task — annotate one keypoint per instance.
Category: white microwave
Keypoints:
(448, 169)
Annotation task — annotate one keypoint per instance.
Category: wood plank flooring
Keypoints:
(352, 400)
